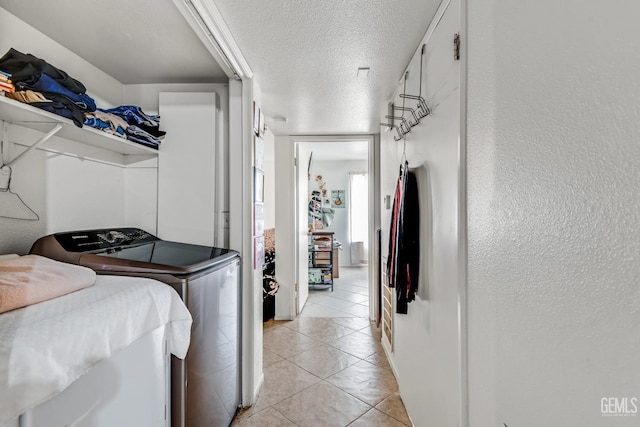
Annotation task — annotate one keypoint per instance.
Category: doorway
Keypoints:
(338, 174)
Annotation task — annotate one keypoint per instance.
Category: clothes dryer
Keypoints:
(205, 386)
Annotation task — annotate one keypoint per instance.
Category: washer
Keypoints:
(205, 386)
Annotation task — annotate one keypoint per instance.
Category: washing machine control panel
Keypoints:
(98, 240)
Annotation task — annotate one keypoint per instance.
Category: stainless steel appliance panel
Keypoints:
(212, 363)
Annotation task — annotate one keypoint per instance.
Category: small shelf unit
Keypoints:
(321, 259)
(315, 212)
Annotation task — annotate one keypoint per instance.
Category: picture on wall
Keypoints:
(337, 199)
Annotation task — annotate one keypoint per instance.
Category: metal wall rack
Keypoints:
(420, 111)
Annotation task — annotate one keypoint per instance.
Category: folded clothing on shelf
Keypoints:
(28, 96)
(136, 134)
(28, 72)
(137, 125)
(6, 84)
(22, 66)
(106, 122)
(48, 86)
(134, 115)
(34, 81)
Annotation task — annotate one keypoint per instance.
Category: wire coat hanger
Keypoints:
(11, 204)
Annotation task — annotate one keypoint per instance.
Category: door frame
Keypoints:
(373, 169)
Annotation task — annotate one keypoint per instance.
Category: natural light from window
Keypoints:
(359, 217)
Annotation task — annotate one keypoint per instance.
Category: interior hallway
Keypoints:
(327, 367)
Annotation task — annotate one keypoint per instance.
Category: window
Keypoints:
(359, 217)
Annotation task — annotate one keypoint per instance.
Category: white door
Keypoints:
(302, 233)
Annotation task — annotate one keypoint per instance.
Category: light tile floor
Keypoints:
(327, 367)
(350, 296)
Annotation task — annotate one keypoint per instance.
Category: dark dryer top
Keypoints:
(167, 253)
(128, 249)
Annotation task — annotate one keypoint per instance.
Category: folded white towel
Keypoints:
(32, 279)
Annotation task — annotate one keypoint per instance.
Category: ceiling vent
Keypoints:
(363, 72)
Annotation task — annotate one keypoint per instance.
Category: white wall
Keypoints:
(187, 210)
(29, 181)
(426, 347)
(76, 202)
(335, 173)
(147, 95)
(21, 36)
(554, 211)
(74, 191)
(141, 196)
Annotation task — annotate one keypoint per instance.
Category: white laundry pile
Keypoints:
(45, 347)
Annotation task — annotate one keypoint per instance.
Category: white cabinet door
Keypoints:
(187, 168)
(131, 388)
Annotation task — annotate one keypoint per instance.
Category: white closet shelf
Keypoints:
(22, 114)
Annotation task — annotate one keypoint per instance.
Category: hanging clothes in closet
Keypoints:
(403, 262)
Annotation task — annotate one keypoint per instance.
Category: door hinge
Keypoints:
(456, 47)
(295, 161)
(295, 287)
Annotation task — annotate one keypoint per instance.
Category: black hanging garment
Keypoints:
(23, 66)
(403, 263)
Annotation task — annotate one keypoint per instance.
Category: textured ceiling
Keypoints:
(132, 41)
(305, 55)
(339, 150)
